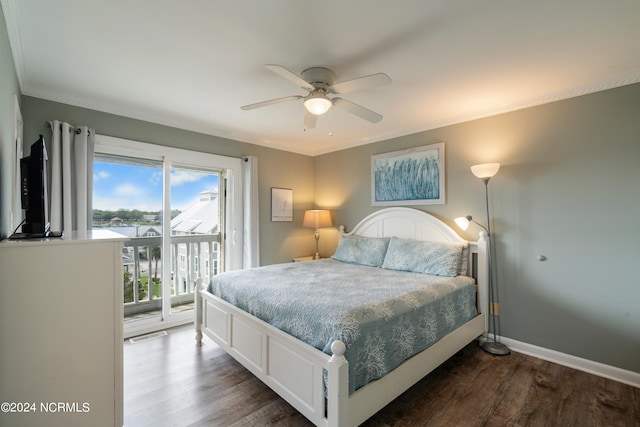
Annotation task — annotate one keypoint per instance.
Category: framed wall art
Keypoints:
(408, 177)
(281, 204)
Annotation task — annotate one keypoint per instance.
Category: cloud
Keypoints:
(101, 175)
(156, 178)
(179, 177)
(129, 190)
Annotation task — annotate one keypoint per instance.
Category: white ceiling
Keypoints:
(191, 64)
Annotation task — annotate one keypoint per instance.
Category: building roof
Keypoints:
(202, 217)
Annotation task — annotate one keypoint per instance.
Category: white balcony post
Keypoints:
(198, 310)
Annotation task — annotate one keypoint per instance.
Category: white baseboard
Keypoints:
(596, 368)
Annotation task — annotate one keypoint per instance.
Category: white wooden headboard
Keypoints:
(406, 223)
(415, 224)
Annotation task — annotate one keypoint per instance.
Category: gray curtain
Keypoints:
(250, 238)
(71, 163)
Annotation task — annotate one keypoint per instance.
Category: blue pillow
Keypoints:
(436, 258)
(362, 250)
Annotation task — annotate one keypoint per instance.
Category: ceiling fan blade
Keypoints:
(360, 83)
(358, 110)
(309, 120)
(271, 102)
(291, 76)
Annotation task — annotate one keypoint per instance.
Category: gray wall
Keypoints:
(568, 189)
(8, 89)
(279, 241)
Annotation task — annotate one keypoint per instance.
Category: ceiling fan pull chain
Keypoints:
(331, 122)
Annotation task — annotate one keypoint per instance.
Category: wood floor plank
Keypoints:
(169, 381)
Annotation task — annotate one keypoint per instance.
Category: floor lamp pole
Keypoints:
(491, 347)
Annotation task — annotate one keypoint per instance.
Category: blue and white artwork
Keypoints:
(408, 177)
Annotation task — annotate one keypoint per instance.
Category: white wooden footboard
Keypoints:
(287, 365)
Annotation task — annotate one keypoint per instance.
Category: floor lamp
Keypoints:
(485, 172)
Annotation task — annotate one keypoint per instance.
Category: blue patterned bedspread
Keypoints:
(383, 316)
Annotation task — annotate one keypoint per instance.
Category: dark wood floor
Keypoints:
(169, 381)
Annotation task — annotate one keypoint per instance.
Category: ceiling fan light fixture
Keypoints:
(318, 81)
(317, 103)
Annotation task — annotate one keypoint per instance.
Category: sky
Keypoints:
(121, 186)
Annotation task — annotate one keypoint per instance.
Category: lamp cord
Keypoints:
(18, 227)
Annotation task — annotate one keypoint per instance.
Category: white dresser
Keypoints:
(61, 331)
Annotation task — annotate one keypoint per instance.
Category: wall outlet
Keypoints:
(494, 308)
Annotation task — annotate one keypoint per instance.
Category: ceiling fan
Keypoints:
(319, 82)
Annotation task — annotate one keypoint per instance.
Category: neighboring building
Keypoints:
(202, 217)
(148, 231)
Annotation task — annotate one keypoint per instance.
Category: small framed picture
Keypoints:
(281, 204)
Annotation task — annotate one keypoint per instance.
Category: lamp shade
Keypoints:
(462, 222)
(317, 103)
(485, 170)
(317, 218)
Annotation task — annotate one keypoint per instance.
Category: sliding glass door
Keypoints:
(194, 243)
(127, 199)
(175, 209)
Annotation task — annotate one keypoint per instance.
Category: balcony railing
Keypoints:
(192, 256)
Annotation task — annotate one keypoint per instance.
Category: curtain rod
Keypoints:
(73, 128)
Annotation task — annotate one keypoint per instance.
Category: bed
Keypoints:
(323, 367)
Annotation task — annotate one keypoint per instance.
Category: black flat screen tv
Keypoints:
(34, 193)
